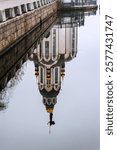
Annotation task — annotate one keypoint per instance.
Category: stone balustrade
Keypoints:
(17, 21)
(19, 9)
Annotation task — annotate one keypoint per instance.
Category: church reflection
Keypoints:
(50, 53)
(58, 47)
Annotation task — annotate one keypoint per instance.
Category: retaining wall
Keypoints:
(21, 49)
(16, 25)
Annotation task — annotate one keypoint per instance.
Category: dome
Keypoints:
(49, 110)
(52, 93)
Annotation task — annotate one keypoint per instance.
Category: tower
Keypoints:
(58, 46)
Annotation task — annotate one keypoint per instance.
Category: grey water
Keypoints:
(23, 121)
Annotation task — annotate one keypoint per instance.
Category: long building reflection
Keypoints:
(59, 46)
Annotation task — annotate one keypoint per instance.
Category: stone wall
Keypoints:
(16, 27)
(21, 49)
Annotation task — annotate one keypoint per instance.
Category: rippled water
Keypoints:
(23, 122)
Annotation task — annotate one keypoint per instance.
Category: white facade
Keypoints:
(49, 81)
(60, 41)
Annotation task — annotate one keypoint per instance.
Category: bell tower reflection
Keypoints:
(58, 46)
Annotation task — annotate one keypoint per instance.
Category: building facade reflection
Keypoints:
(57, 47)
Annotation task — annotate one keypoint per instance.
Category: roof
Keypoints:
(52, 93)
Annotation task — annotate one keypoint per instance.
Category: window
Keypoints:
(54, 43)
(56, 75)
(41, 75)
(47, 49)
(40, 50)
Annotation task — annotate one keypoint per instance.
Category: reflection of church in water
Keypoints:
(59, 46)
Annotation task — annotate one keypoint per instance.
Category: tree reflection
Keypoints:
(5, 93)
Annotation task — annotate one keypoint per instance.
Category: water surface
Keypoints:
(23, 124)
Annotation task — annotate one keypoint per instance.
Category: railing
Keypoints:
(9, 13)
(71, 4)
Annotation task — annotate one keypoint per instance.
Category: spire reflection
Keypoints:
(57, 47)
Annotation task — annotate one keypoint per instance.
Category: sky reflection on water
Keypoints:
(24, 123)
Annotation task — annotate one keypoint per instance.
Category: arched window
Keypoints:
(46, 49)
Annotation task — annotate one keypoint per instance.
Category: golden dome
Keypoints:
(49, 110)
